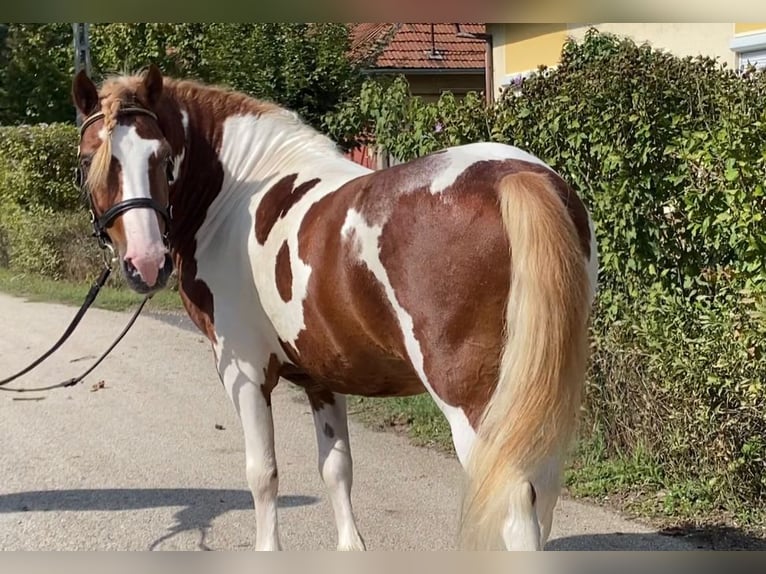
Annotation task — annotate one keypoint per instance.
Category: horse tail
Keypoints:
(532, 414)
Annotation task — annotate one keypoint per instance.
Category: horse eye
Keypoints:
(169, 167)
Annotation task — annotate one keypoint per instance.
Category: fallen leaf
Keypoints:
(98, 386)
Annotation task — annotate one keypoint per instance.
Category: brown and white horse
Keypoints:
(468, 274)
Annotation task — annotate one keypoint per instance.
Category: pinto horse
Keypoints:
(468, 274)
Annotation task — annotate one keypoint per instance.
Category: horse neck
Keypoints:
(266, 147)
(228, 158)
(254, 142)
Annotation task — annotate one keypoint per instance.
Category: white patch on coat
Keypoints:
(178, 159)
(460, 158)
(257, 152)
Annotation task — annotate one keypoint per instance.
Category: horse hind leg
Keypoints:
(335, 464)
(531, 506)
(528, 521)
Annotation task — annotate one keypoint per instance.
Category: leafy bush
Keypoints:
(36, 66)
(55, 245)
(670, 156)
(43, 227)
(303, 66)
(37, 166)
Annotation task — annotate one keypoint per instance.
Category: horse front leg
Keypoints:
(335, 465)
(251, 394)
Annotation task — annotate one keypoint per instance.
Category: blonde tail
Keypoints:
(533, 412)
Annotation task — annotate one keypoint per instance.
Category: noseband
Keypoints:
(102, 223)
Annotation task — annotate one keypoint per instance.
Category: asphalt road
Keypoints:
(155, 460)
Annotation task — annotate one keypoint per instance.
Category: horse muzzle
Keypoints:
(144, 279)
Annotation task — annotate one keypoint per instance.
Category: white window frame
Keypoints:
(749, 45)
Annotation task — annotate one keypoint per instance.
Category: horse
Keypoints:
(468, 274)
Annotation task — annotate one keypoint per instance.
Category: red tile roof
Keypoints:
(419, 46)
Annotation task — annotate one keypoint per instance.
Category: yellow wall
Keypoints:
(749, 27)
(522, 47)
(528, 46)
(681, 39)
(430, 86)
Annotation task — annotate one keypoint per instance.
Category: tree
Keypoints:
(305, 67)
(37, 63)
(124, 48)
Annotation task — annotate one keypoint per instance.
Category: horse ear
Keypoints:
(84, 93)
(152, 85)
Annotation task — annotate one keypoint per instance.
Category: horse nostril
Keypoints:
(129, 267)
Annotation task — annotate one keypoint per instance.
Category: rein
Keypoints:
(100, 225)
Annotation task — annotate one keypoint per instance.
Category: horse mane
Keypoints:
(121, 90)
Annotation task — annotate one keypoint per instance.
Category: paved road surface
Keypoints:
(141, 465)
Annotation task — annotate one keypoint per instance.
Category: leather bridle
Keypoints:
(105, 220)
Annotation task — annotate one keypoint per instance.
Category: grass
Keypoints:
(36, 288)
(416, 416)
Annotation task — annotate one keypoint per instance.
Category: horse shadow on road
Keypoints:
(200, 506)
(682, 537)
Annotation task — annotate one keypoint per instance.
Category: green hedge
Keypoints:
(43, 226)
(36, 166)
(670, 155)
(55, 245)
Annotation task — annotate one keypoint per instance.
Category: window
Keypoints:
(750, 50)
(755, 58)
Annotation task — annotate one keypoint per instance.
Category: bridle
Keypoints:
(100, 225)
(105, 220)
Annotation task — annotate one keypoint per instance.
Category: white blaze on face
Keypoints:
(145, 249)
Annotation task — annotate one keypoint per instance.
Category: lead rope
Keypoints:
(89, 298)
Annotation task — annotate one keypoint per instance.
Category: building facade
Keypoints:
(519, 49)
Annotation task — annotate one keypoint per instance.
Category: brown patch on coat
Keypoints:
(270, 378)
(448, 263)
(319, 395)
(276, 202)
(352, 343)
(317, 392)
(283, 273)
(329, 432)
(449, 252)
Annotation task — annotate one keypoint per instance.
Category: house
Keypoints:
(434, 58)
(519, 49)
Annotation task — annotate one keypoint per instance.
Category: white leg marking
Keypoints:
(243, 386)
(336, 470)
(521, 530)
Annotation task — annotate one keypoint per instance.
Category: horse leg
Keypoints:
(335, 465)
(253, 405)
(527, 524)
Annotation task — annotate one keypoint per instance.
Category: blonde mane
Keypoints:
(114, 93)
